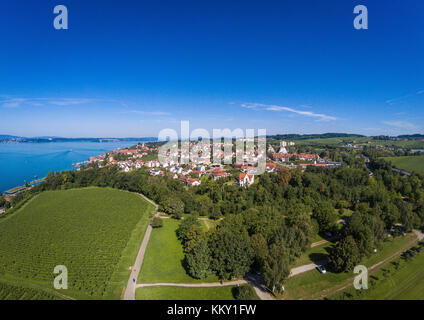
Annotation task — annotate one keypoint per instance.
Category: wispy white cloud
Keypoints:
(260, 106)
(70, 101)
(153, 113)
(407, 96)
(14, 102)
(402, 124)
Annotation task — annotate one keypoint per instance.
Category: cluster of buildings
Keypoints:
(200, 164)
(283, 156)
(206, 153)
(132, 158)
(190, 174)
(201, 161)
(282, 148)
(353, 145)
(298, 156)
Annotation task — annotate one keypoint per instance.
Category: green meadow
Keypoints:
(314, 285)
(362, 141)
(185, 293)
(403, 279)
(408, 163)
(164, 258)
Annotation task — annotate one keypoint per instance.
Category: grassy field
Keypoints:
(401, 280)
(314, 285)
(408, 163)
(184, 293)
(163, 261)
(326, 141)
(363, 141)
(94, 232)
(312, 255)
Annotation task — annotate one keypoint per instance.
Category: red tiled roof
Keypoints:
(281, 156)
(243, 175)
(313, 164)
(307, 155)
(219, 173)
(191, 180)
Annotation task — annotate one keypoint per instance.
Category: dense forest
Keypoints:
(265, 227)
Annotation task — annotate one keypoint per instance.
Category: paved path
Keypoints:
(318, 243)
(131, 286)
(304, 268)
(258, 285)
(419, 234)
(192, 285)
(148, 200)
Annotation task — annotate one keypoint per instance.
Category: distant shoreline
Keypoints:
(19, 189)
(11, 183)
(53, 140)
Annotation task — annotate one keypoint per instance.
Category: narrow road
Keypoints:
(131, 285)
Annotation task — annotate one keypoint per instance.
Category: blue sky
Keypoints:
(132, 68)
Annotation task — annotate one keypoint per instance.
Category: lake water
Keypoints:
(20, 162)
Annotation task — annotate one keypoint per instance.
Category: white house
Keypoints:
(246, 179)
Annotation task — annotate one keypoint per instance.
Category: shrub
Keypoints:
(157, 222)
(245, 292)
